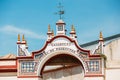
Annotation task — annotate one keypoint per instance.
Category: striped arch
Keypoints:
(50, 55)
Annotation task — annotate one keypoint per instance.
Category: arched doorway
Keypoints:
(63, 67)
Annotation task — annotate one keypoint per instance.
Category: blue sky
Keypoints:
(31, 17)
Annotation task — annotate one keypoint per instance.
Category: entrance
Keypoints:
(63, 67)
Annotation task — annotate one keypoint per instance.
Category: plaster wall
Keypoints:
(8, 78)
(75, 73)
(112, 52)
(15, 78)
(112, 74)
(28, 79)
(6, 74)
(4, 63)
(94, 78)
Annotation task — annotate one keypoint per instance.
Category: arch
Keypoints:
(50, 55)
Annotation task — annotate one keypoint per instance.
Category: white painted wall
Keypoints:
(113, 74)
(75, 73)
(94, 78)
(4, 63)
(112, 51)
(15, 78)
(8, 78)
(28, 79)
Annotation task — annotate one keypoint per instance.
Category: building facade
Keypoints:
(62, 58)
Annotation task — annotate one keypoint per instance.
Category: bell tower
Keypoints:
(60, 24)
(60, 27)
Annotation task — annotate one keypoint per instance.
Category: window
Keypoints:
(27, 67)
(93, 65)
(60, 28)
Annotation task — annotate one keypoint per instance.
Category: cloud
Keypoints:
(14, 30)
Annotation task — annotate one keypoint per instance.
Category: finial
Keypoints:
(18, 37)
(49, 28)
(52, 32)
(72, 28)
(100, 36)
(23, 38)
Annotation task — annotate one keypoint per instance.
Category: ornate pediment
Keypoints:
(61, 44)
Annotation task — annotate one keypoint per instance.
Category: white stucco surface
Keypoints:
(28, 79)
(113, 74)
(94, 78)
(3, 63)
(75, 73)
(8, 78)
(112, 52)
